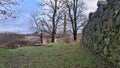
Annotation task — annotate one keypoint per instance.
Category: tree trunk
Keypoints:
(75, 35)
(53, 38)
(75, 24)
(54, 29)
(53, 35)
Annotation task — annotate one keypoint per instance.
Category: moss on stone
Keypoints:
(102, 33)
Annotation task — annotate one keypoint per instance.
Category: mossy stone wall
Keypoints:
(102, 32)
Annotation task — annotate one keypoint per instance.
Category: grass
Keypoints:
(59, 55)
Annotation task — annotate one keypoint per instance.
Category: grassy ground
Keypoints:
(56, 56)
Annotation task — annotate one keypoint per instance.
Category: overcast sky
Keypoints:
(28, 7)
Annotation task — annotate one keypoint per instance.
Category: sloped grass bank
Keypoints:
(59, 55)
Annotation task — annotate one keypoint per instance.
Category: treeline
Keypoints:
(8, 39)
(58, 16)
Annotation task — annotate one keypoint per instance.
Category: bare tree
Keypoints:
(49, 18)
(5, 8)
(55, 6)
(39, 24)
(76, 15)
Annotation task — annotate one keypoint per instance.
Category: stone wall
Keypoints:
(102, 32)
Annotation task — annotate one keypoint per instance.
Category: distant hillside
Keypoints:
(7, 38)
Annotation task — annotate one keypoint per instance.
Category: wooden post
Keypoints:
(65, 38)
(41, 37)
(64, 30)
